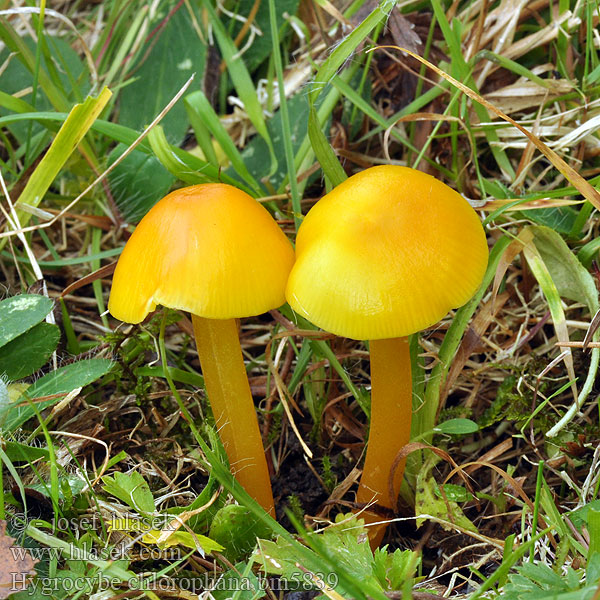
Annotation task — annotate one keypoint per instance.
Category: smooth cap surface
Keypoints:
(385, 254)
(208, 249)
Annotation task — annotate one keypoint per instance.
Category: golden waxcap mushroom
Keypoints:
(214, 251)
(208, 249)
(386, 253)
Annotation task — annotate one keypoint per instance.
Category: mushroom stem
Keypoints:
(391, 413)
(226, 381)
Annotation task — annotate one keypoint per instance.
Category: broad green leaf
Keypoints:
(561, 218)
(22, 452)
(177, 52)
(17, 77)
(138, 182)
(20, 313)
(59, 382)
(66, 141)
(27, 353)
(346, 546)
(571, 279)
(130, 488)
(559, 273)
(457, 427)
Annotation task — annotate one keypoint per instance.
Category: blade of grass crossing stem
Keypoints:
(285, 118)
(241, 79)
(548, 287)
(199, 109)
(424, 419)
(584, 187)
(67, 139)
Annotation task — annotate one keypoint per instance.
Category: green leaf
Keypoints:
(130, 488)
(455, 493)
(175, 55)
(22, 452)
(579, 516)
(138, 182)
(570, 277)
(20, 313)
(457, 427)
(59, 382)
(24, 355)
(561, 218)
(344, 50)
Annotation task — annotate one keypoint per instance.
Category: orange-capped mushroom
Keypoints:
(214, 251)
(385, 254)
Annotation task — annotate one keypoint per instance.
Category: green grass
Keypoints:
(97, 123)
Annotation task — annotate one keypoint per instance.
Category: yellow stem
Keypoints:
(391, 414)
(231, 401)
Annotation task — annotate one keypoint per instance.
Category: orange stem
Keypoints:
(231, 401)
(391, 414)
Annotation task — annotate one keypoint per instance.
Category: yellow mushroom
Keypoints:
(214, 251)
(385, 254)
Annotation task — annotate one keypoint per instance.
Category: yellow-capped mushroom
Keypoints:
(214, 251)
(385, 254)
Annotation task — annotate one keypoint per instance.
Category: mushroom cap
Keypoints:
(385, 254)
(208, 249)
